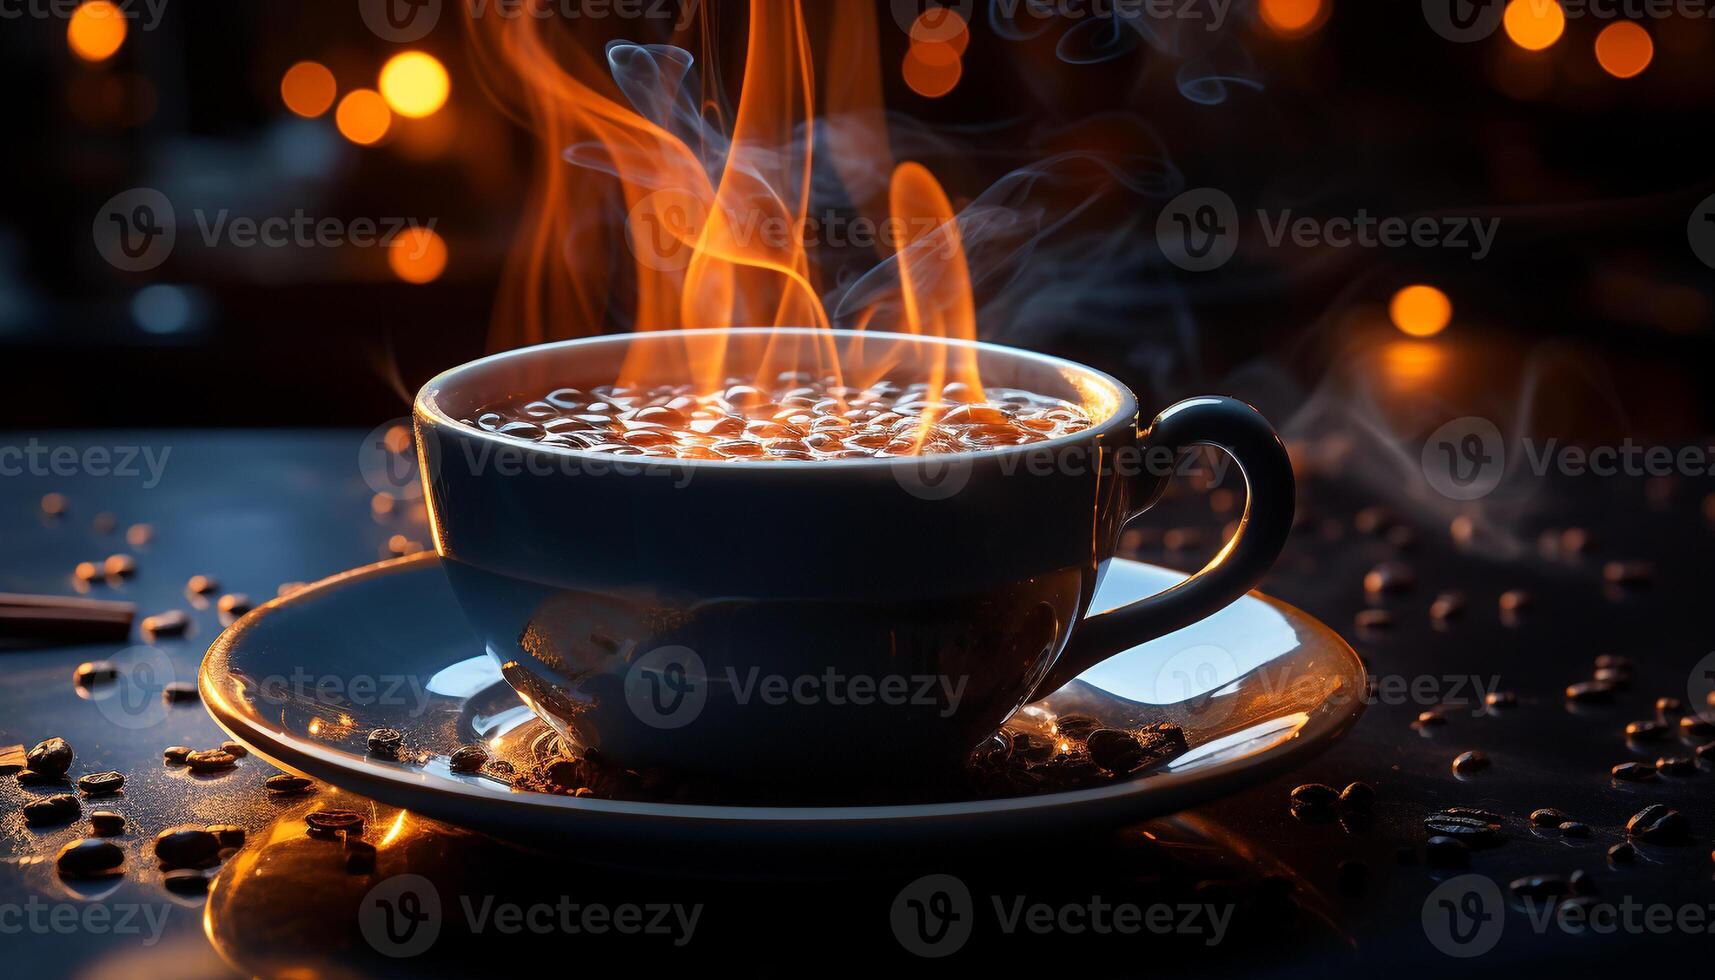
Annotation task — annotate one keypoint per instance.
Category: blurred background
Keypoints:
(1577, 129)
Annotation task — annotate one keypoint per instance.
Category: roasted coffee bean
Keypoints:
(228, 834)
(179, 692)
(1541, 887)
(101, 783)
(1547, 817)
(1613, 661)
(173, 622)
(185, 881)
(1623, 853)
(1373, 520)
(186, 847)
(176, 754)
(468, 758)
(1447, 606)
(93, 672)
(1676, 765)
(236, 603)
(386, 742)
(1470, 762)
(89, 858)
(1645, 731)
(1446, 852)
(1315, 795)
(1358, 796)
(234, 749)
(1514, 601)
(1658, 824)
(1706, 753)
(1033, 747)
(106, 823)
(333, 821)
(139, 535)
(204, 585)
(54, 504)
(119, 566)
(50, 757)
(210, 760)
(1161, 742)
(86, 571)
(359, 856)
(1076, 726)
(1479, 831)
(1692, 726)
(1573, 828)
(13, 759)
(1633, 772)
(1590, 692)
(1389, 577)
(1668, 709)
(286, 784)
(1312, 812)
(1373, 619)
(51, 810)
(500, 771)
(1431, 716)
(1501, 699)
(1614, 677)
(1628, 572)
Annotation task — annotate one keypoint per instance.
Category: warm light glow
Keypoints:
(1421, 311)
(308, 89)
(363, 117)
(941, 25)
(394, 831)
(1624, 49)
(1291, 18)
(1412, 363)
(932, 70)
(414, 84)
(418, 255)
(1534, 24)
(96, 30)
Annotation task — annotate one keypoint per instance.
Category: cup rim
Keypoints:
(426, 408)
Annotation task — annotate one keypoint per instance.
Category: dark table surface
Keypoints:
(260, 509)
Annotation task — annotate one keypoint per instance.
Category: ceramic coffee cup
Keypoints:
(822, 619)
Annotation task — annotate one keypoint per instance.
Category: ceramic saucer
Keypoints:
(1258, 689)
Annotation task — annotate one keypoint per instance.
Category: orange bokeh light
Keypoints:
(96, 30)
(1624, 49)
(1420, 311)
(363, 116)
(417, 255)
(1534, 24)
(415, 84)
(932, 69)
(308, 89)
(941, 25)
(1291, 18)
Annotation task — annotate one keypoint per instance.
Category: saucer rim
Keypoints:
(390, 783)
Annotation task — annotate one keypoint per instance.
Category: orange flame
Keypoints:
(717, 216)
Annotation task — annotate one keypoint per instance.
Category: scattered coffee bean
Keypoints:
(210, 760)
(1315, 795)
(234, 749)
(1613, 661)
(1373, 520)
(86, 571)
(1501, 699)
(13, 759)
(50, 757)
(119, 566)
(1541, 887)
(1358, 796)
(1658, 824)
(1574, 540)
(1114, 750)
(186, 847)
(1676, 765)
(89, 858)
(359, 856)
(228, 834)
(51, 810)
(234, 604)
(1633, 772)
(1032, 747)
(185, 881)
(101, 783)
(179, 692)
(1076, 726)
(201, 585)
(54, 504)
(1469, 762)
(1447, 606)
(106, 823)
(1515, 601)
(1446, 852)
(1616, 678)
(1472, 831)
(1628, 572)
(1590, 692)
(1623, 853)
(176, 754)
(173, 622)
(1667, 709)
(1432, 716)
(286, 784)
(330, 822)
(1547, 817)
(1573, 828)
(1706, 753)
(1389, 577)
(93, 672)
(386, 742)
(1645, 731)
(1373, 619)
(468, 758)
(1691, 726)
(138, 535)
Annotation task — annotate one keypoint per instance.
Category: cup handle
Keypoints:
(1241, 432)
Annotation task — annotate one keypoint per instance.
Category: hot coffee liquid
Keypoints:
(798, 418)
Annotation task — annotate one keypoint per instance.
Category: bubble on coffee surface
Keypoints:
(800, 417)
